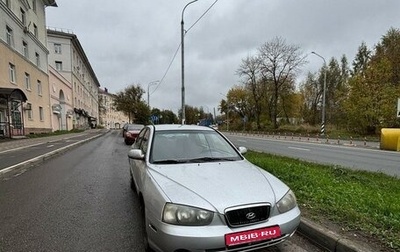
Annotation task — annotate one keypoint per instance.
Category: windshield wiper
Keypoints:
(169, 161)
(209, 159)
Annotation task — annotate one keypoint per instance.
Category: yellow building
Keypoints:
(109, 117)
(60, 101)
(67, 56)
(24, 81)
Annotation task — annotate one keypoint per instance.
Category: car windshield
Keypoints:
(171, 147)
(135, 127)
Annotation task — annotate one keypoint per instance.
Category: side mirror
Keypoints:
(136, 154)
(242, 150)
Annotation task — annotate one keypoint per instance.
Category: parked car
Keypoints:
(131, 132)
(124, 128)
(199, 193)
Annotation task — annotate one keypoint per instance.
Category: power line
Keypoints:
(180, 44)
(201, 16)
(169, 66)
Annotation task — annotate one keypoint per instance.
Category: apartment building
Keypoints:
(109, 117)
(24, 86)
(61, 101)
(67, 57)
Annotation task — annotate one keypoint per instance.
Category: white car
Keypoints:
(198, 193)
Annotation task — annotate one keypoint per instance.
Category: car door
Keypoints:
(139, 165)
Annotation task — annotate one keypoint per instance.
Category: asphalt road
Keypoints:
(354, 157)
(79, 200)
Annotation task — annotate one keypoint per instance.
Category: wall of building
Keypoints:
(61, 101)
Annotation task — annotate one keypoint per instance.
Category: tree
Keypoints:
(249, 70)
(389, 49)
(311, 92)
(131, 102)
(279, 63)
(361, 59)
(371, 102)
(167, 116)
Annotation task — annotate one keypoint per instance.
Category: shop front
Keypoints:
(11, 112)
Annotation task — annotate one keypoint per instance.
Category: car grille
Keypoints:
(247, 215)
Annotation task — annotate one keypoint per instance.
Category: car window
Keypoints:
(145, 141)
(139, 139)
(188, 145)
(135, 127)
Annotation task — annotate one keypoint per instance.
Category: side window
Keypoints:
(145, 141)
(139, 139)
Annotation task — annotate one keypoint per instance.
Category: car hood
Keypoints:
(217, 186)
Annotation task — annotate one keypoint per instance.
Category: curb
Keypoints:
(329, 240)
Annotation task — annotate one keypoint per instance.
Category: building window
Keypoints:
(25, 49)
(9, 36)
(39, 88)
(12, 73)
(27, 81)
(59, 65)
(23, 17)
(29, 111)
(35, 30)
(34, 5)
(41, 114)
(37, 56)
(57, 48)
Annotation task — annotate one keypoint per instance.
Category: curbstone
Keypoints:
(328, 239)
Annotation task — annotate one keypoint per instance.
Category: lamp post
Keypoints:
(323, 96)
(148, 91)
(183, 62)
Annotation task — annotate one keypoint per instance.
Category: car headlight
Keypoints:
(186, 216)
(287, 203)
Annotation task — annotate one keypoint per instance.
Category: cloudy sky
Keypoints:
(135, 41)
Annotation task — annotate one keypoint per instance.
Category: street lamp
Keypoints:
(183, 63)
(323, 95)
(148, 91)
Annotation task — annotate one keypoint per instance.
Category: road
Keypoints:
(354, 157)
(79, 201)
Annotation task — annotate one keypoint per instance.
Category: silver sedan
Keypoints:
(199, 193)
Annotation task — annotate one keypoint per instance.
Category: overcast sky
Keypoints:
(134, 41)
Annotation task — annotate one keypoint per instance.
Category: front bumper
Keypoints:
(211, 238)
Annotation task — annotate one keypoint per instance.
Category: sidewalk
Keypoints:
(316, 233)
(7, 144)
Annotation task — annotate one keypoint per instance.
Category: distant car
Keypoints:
(124, 129)
(199, 193)
(131, 132)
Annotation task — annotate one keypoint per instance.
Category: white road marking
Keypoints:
(297, 148)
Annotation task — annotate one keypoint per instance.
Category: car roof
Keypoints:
(165, 127)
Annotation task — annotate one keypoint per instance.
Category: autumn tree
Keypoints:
(239, 105)
(249, 71)
(361, 60)
(131, 102)
(280, 63)
(371, 102)
(310, 91)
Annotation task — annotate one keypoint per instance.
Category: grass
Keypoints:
(366, 202)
